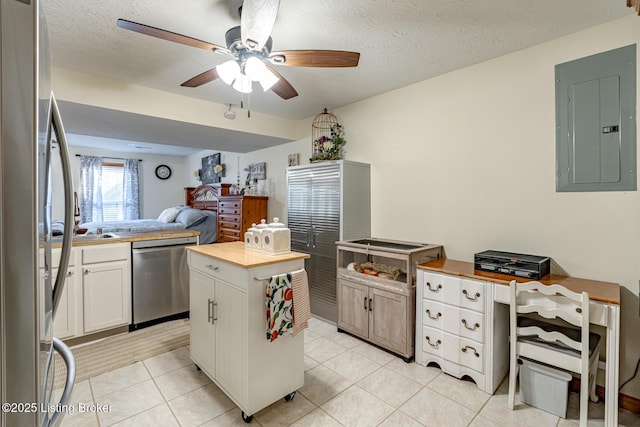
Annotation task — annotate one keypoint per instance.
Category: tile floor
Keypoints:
(347, 383)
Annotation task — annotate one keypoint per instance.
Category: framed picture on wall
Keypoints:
(208, 175)
(294, 159)
(258, 170)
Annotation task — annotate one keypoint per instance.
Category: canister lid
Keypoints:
(276, 223)
(263, 224)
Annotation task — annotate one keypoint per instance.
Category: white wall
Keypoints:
(467, 160)
(155, 194)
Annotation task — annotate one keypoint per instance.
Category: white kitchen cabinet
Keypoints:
(228, 325)
(65, 322)
(106, 286)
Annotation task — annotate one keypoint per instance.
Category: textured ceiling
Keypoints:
(401, 41)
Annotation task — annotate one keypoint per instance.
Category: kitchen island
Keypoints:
(228, 325)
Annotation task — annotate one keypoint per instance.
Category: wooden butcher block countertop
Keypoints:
(122, 237)
(235, 253)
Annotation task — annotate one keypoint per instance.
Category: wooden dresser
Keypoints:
(236, 213)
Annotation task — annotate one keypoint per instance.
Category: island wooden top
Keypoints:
(235, 253)
(606, 292)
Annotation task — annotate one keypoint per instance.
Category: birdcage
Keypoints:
(326, 138)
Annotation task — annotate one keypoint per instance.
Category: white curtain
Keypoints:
(90, 189)
(131, 193)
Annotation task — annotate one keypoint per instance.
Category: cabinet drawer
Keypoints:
(453, 348)
(218, 269)
(225, 225)
(55, 257)
(454, 290)
(229, 218)
(106, 253)
(232, 211)
(457, 321)
(230, 204)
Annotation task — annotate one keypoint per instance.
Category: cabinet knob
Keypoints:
(86, 271)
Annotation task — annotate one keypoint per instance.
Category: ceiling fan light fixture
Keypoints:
(242, 84)
(228, 71)
(254, 68)
(268, 79)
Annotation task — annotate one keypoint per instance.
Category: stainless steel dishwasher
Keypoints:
(160, 282)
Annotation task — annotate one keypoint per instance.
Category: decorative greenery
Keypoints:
(329, 148)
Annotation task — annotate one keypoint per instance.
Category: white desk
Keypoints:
(604, 311)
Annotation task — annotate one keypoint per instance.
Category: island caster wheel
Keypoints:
(198, 368)
(289, 397)
(247, 418)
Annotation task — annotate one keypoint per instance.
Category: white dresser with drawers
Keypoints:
(453, 326)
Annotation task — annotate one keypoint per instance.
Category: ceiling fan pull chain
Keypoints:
(248, 105)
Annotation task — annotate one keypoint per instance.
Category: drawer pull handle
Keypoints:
(475, 326)
(365, 303)
(434, 317)
(474, 298)
(436, 289)
(211, 267)
(468, 347)
(436, 345)
(209, 310)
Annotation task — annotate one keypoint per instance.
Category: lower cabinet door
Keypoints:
(107, 295)
(64, 319)
(201, 299)
(230, 321)
(388, 321)
(353, 307)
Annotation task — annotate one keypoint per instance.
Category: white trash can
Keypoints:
(544, 387)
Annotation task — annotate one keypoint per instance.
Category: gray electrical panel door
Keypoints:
(595, 122)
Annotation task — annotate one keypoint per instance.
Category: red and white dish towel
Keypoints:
(287, 304)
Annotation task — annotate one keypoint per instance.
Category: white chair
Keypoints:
(564, 347)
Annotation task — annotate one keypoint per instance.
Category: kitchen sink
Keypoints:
(87, 237)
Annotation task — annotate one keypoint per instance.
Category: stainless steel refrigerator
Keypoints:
(327, 202)
(29, 121)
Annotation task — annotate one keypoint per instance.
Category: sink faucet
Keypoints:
(99, 231)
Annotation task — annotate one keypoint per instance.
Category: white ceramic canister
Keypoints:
(257, 235)
(248, 236)
(276, 239)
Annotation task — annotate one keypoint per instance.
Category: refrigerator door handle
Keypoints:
(70, 362)
(56, 122)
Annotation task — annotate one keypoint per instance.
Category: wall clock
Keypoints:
(163, 172)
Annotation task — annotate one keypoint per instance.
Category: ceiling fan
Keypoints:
(249, 45)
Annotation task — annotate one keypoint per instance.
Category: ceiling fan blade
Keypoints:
(282, 88)
(315, 58)
(170, 36)
(256, 22)
(202, 78)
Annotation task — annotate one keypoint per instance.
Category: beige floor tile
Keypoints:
(480, 421)
(200, 405)
(431, 408)
(352, 365)
(370, 410)
(231, 418)
(181, 381)
(81, 393)
(390, 386)
(310, 336)
(321, 328)
(398, 419)
(466, 393)
(160, 415)
(523, 415)
(283, 413)
(321, 384)
(128, 402)
(74, 418)
(168, 362)
(344, 339)
(317, 418)
(371, 352)
(119, 379)
(418, 373)
(323, 349)
(309, 363)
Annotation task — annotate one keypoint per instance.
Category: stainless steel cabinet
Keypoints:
(327, 202)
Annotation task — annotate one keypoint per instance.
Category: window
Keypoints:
(112, 190)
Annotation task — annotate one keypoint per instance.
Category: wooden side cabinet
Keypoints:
(236, 214)
(376, 290)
